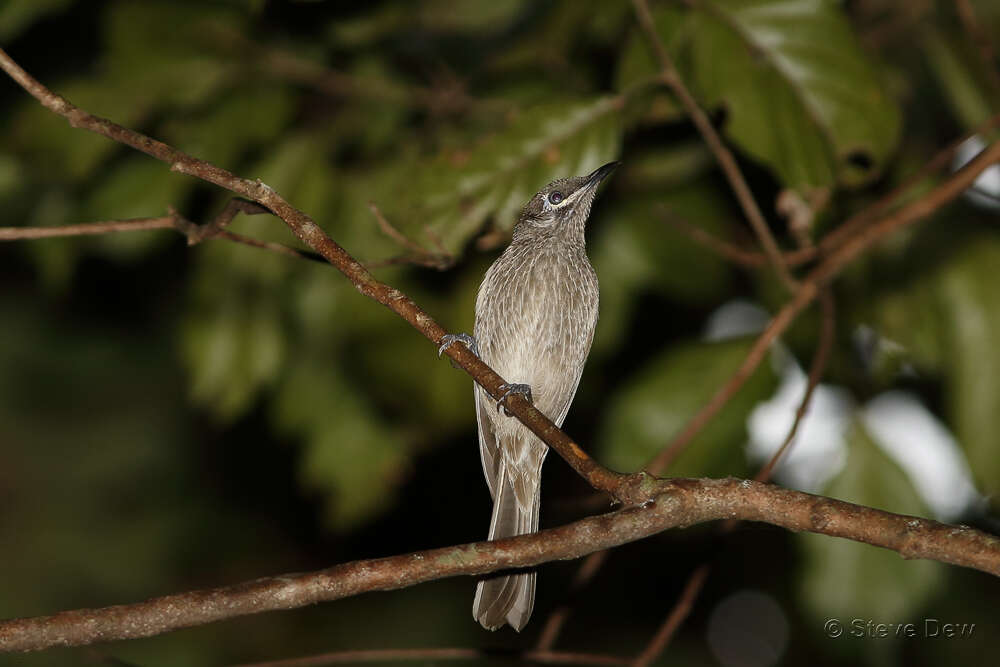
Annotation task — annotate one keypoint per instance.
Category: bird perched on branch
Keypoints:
(535, 318)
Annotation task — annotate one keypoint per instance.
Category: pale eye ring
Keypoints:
(555, 198)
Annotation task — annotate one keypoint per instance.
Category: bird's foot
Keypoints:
(448, 340)
(508, 389)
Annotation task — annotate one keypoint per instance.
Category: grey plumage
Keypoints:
(535, 318)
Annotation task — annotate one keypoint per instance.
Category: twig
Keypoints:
(420, 255)
(677, 615)
(865, 237)
(88, 228)
(859, 220)
(695, 583)
(626, 488)
(651, 501)
(673, 503)
(174, 221)
(557, 619)
(987, 55)
(729, 251)
(380, 655)
(671, 78)
(816, 370)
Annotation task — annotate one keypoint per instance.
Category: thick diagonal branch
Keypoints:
(623, 487)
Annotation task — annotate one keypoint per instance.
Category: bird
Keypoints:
(536, 312)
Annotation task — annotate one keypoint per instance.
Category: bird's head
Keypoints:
(562, 207)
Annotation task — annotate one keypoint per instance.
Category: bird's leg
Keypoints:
(508, 389)
(448, 340)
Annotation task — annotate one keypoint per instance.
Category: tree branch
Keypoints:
(656, 505)
(673, 503)
(626, 488)
(678, 613)
(745, 258)
(672, 79)
(88, 228)
(174, 221)
(843, 254)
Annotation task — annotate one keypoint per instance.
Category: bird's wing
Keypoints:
(487, 440)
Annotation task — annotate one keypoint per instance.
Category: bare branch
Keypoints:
(420, 255)
(862, 218)
(696, 581)
(677, 615)
(816, 370)
(745, 258)
(673, 503)
(987, 54)
(557, 619)
(671, 78)
(809, 288)
(626, 488)
(655, 505)
(87, 228)
(174, 221)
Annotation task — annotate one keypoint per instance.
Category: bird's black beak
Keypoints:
(599, 174)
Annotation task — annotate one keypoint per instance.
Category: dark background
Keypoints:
(174, 418)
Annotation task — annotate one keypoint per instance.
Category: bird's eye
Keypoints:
(555, 197)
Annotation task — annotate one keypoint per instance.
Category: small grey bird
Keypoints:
(535, 318)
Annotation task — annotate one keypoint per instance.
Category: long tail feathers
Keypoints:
(507, 598)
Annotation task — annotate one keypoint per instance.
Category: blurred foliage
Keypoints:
(844, 579)
(448, 116)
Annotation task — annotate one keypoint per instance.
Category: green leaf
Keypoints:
(233, 348)
(656, 404)
(454, 195)
(166, 50)
(945, 321)
(954, 68)
(799, 93)
(241, 120)
(846, 580)
(968, 294)
(17, 15)
(350, 455)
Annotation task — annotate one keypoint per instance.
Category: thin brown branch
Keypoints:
(87, 228)
(420, 255)
(809, 288)
(862, 218)
(672, 503)
(426, 654)
(729, 251)
(174, 221)
(692, 589)
(677, 615)
(626, 488)
(557, 619)
(279, 248)
(982, 40)
(672, 79)
(816, 370)
(654, 505)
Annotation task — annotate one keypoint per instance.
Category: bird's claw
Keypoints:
(448, 340)
(508, 389)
